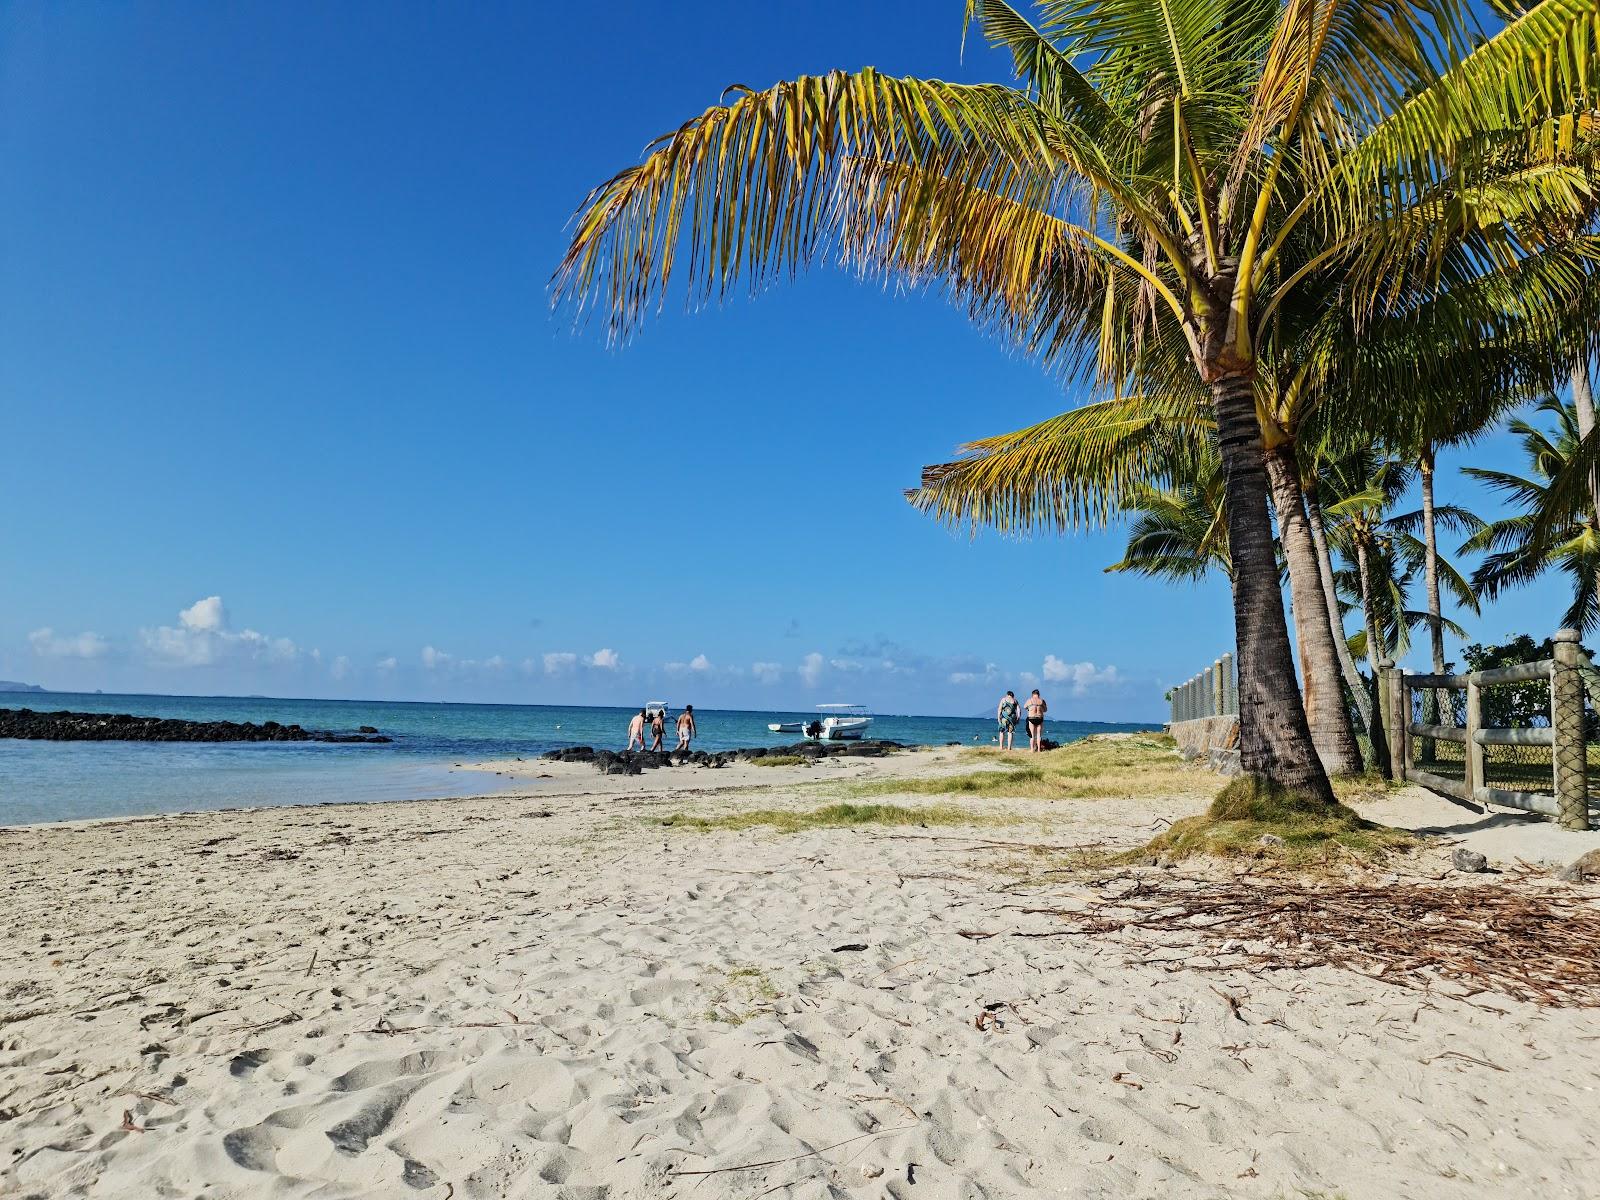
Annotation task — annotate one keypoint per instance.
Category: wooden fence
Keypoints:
(1570, 676)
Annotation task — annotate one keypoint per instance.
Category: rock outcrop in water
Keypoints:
(66, 726)
(633, 762)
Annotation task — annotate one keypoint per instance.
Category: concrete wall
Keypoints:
(1197, 738)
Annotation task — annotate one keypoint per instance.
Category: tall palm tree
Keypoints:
(1383, 557)
(1155, 158)
(1556, 529)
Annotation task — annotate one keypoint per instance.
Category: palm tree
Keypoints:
(1179, 533)
(1197, 161)
(1556, 529)
(1383, 557)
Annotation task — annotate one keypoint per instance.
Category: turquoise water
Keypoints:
(54, 781)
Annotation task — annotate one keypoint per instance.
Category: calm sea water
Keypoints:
(53, 781)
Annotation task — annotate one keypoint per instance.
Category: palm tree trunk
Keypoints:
(1274, 739)
(1347, 662)
(1442, 711)
(1375, 655)
(1325, 709)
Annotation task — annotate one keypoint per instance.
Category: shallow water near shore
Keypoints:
(54, 781)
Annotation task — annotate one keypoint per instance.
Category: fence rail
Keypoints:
(1214, 692)
(1571, 676)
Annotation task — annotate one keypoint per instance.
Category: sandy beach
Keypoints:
(551, 993)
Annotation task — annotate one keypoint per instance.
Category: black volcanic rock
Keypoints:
(632, 762)
(64, 726)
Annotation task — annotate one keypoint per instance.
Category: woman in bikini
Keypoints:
(1036, 710)
(658, 728)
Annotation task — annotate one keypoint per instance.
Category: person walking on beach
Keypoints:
(1036, 710)
(686, 729)
(658, 728)
(1006, 714)
(636, 731)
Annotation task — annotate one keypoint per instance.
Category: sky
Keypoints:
(288, 411)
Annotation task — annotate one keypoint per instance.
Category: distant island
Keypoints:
(11, 685)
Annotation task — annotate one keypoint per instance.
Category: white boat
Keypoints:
(652, 707)
(838, 723)
(787, 726)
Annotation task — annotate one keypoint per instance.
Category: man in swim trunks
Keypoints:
(636, 731)
(1006, 714)
(686, 729)
(1036, 708)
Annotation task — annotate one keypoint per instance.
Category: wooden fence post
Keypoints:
(1566, 722)
(1397, 722)
(1473, 770)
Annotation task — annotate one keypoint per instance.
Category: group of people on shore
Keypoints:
(656, 722)
(1007, 713)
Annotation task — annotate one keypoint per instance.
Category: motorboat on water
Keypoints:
(838, 723)
(787, 726)
(652, 707)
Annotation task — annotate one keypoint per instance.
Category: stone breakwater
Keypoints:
(633, 762)
(66, 726)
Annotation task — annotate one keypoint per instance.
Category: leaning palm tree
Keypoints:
(1556, 529)
(1173, 158)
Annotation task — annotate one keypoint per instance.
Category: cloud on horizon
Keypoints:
(46, 643)
(202, 639)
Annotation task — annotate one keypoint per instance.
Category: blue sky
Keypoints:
(288, 411)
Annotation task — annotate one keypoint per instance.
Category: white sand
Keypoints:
(471, 998)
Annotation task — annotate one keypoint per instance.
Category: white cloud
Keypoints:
(387, 664)
(1029, 679)
(340, 668)
(205, 616)
(202, 638)
(47, 643)
(606, 660)
(767, 672)
(559, 662)
(434, 659)
(494, 663)
(1082, 676)
(811, 669)
(699, 663)
(846, 664)
(989, 674)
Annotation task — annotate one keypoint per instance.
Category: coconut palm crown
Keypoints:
(1196, 159)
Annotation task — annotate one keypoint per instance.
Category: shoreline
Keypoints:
(546, 992)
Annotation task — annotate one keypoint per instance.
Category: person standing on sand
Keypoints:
(636, 731)
(658, 728)
(1036, 710)
(1006, 714)
(686, 729)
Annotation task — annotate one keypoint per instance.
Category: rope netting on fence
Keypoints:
(1511, 768)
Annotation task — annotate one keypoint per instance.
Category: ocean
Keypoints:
(57, 781)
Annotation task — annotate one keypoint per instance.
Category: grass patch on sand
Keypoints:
(1298, 829)
(779, 760)
(742, 992)
(1095, 768)
(836, 816)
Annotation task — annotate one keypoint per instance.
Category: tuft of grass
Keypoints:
(743, 992)
(1095, 768)
(836, 816)
(1251, 807)
(780, 760)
